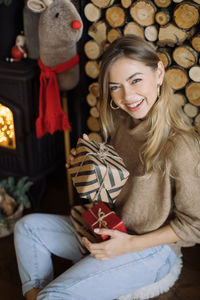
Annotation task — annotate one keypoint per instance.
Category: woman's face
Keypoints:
(133, 86)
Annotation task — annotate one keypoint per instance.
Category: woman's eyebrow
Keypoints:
(130, 77)
(113, 82)
(133, 75)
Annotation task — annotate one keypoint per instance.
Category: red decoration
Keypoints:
(76, 24)
(100, 216)
(51, 116)
(18, 51)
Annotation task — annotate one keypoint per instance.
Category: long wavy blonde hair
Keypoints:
(165, 119)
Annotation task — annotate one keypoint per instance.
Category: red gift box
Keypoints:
(100, 216)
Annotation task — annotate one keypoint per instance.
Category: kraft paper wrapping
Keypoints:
(98, 173)
(80, 227)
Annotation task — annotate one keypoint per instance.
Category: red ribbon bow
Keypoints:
(51, 116)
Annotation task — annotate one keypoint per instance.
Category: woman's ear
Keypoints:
(160, 73)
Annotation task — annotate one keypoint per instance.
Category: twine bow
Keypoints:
(100, 217)
(102, 153)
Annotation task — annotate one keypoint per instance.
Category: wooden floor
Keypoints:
(55, 201)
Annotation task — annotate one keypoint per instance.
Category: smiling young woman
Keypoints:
(159, 203)
(133, 77)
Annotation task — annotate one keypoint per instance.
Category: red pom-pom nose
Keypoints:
(76, 24)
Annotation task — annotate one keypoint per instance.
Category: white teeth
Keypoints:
(135, 104)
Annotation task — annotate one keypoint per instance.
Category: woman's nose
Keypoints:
(128, 93)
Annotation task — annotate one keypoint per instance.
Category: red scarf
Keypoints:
(51, 116)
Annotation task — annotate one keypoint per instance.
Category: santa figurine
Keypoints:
(18, 51)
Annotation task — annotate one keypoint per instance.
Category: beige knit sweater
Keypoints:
(146, 204)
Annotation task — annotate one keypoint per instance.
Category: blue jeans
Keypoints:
(37, 236)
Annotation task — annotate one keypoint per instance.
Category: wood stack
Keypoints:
(173, 28)
(93, 121)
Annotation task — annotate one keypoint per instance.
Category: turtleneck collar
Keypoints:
(138, 128)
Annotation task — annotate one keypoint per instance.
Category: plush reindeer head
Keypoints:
(60, 28)
(59, 20)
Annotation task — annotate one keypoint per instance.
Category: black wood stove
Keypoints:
(21, 153)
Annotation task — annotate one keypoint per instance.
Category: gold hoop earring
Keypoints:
(158, 91)
(112, 106)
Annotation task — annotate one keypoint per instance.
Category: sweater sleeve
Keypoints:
(185, 160)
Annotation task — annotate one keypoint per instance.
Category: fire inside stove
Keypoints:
(7, 129)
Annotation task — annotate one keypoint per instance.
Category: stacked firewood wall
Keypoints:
(171, 26)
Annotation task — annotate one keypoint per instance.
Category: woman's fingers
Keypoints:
(85, 137)
(72, 154)
(97, 250)
(71, 157)
(73, 151)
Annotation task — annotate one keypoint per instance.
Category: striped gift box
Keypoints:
(81, 229)
(98, 173)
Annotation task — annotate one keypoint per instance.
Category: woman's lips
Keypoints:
(135, 105)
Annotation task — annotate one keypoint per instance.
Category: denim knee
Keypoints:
(19, 225)
(22, 225)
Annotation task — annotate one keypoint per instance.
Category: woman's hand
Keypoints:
(119, 243)
(73, 152)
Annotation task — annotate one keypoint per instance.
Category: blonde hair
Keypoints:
(166, 117)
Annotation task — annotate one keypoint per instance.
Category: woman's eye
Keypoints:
(136, 80)
(113, 88)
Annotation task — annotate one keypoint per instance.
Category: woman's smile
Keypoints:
(134, 105)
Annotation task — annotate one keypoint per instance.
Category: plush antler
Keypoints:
(38, 5)
(48, 2)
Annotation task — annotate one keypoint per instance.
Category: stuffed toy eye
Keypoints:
(57, 15)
